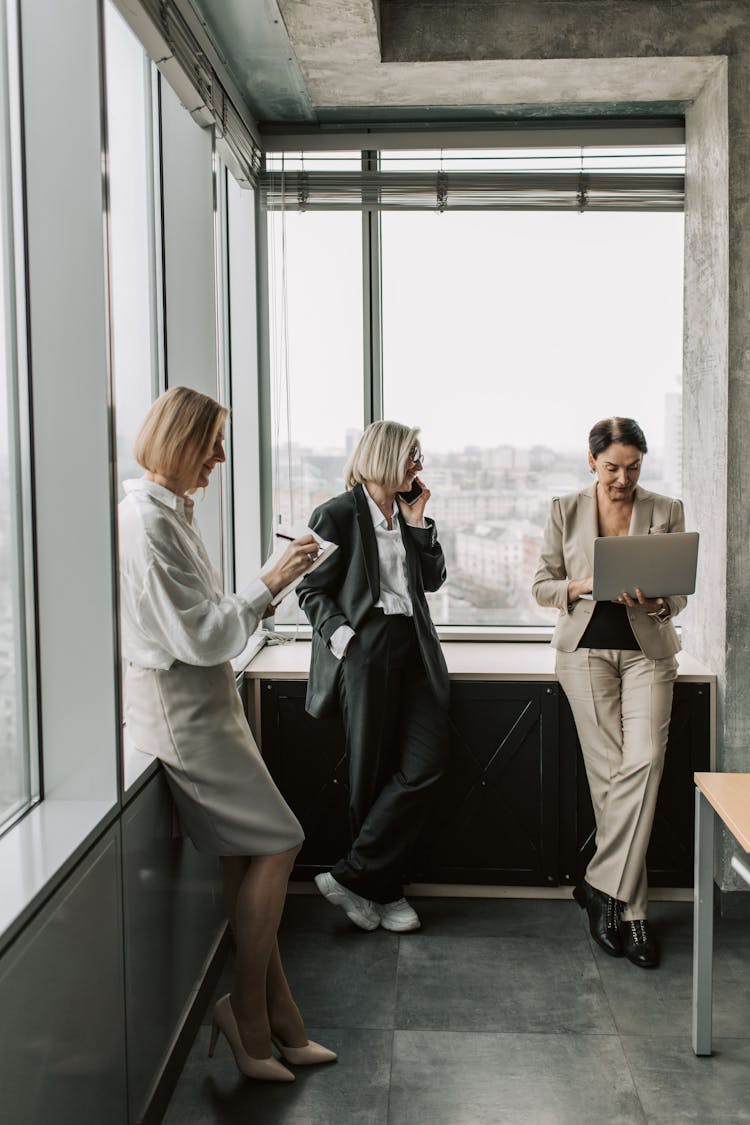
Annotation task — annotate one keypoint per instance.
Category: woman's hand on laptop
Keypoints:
(648, 605)
(579, 586)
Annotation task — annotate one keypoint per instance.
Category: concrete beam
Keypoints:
(337, 47)
(434, 30)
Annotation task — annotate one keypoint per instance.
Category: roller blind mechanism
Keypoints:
(556, 180)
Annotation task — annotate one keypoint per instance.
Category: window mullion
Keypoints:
(154, 187)
(372, 305)
(265, 443)
(21, 539)
(223, 357)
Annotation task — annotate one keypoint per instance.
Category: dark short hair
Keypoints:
(623, 431)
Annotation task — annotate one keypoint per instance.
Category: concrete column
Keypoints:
(705, 386)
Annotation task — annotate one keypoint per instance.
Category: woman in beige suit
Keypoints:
(616, 664)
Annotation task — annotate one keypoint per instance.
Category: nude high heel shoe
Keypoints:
(309, 1055)
(266, 1070)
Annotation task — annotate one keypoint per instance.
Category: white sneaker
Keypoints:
(398, 916)
(357, 909)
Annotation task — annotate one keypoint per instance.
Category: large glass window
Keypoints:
(241, 353)
(18, 754)
(317, 386)
(132, 255)
(506, 335)
(514, 297)
(131, 234)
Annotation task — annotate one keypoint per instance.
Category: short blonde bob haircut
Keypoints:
(178, 431)
(381, 455)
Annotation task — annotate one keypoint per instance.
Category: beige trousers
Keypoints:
(622, 704)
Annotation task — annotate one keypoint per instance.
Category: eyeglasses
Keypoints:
(416, 456)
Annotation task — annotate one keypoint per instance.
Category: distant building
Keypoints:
(470, 506)
(505, 458)
(501, 457)
(499, 557)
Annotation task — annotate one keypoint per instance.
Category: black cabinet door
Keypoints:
(496, 820)
(670, 854)
(307, 760)
(514, 808)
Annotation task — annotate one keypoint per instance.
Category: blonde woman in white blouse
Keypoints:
(179, 632)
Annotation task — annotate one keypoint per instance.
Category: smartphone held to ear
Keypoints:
(413, 494)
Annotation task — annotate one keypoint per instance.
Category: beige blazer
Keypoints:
(568, 553)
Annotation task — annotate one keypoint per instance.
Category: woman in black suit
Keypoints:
(377, 658)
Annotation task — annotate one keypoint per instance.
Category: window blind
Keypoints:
(464, 191)
(555, 179)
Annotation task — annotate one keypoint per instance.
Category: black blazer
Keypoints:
(347, 585)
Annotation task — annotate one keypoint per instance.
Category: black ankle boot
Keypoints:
(604, 917)
(638, 944)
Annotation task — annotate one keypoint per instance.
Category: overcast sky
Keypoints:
(499, 327)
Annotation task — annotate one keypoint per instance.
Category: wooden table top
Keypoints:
(729, 795)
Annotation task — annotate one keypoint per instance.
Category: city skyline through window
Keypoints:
(505, 336)
(317, 388)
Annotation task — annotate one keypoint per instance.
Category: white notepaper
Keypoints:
(284, 535)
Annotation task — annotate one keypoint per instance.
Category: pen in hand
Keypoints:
(291, 539)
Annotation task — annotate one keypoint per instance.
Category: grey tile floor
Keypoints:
(497, 1011)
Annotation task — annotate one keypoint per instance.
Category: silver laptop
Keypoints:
(660, 565)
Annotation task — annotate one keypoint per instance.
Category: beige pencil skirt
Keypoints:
(192, 720)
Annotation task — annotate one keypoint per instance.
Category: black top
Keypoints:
(609, 627)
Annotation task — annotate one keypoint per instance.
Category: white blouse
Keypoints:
(172, 605)
(394, 592)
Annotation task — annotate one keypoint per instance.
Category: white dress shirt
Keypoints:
(394, 591)
(172, 604)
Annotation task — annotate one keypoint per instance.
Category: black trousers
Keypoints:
(398, 745)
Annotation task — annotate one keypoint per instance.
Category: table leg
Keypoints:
(741, 868)
(703, 925)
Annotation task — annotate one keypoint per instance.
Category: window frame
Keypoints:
(372, 317)
(223, 356)
(133, 768)
(19, 418)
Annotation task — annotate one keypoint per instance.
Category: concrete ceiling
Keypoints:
(320, 63)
